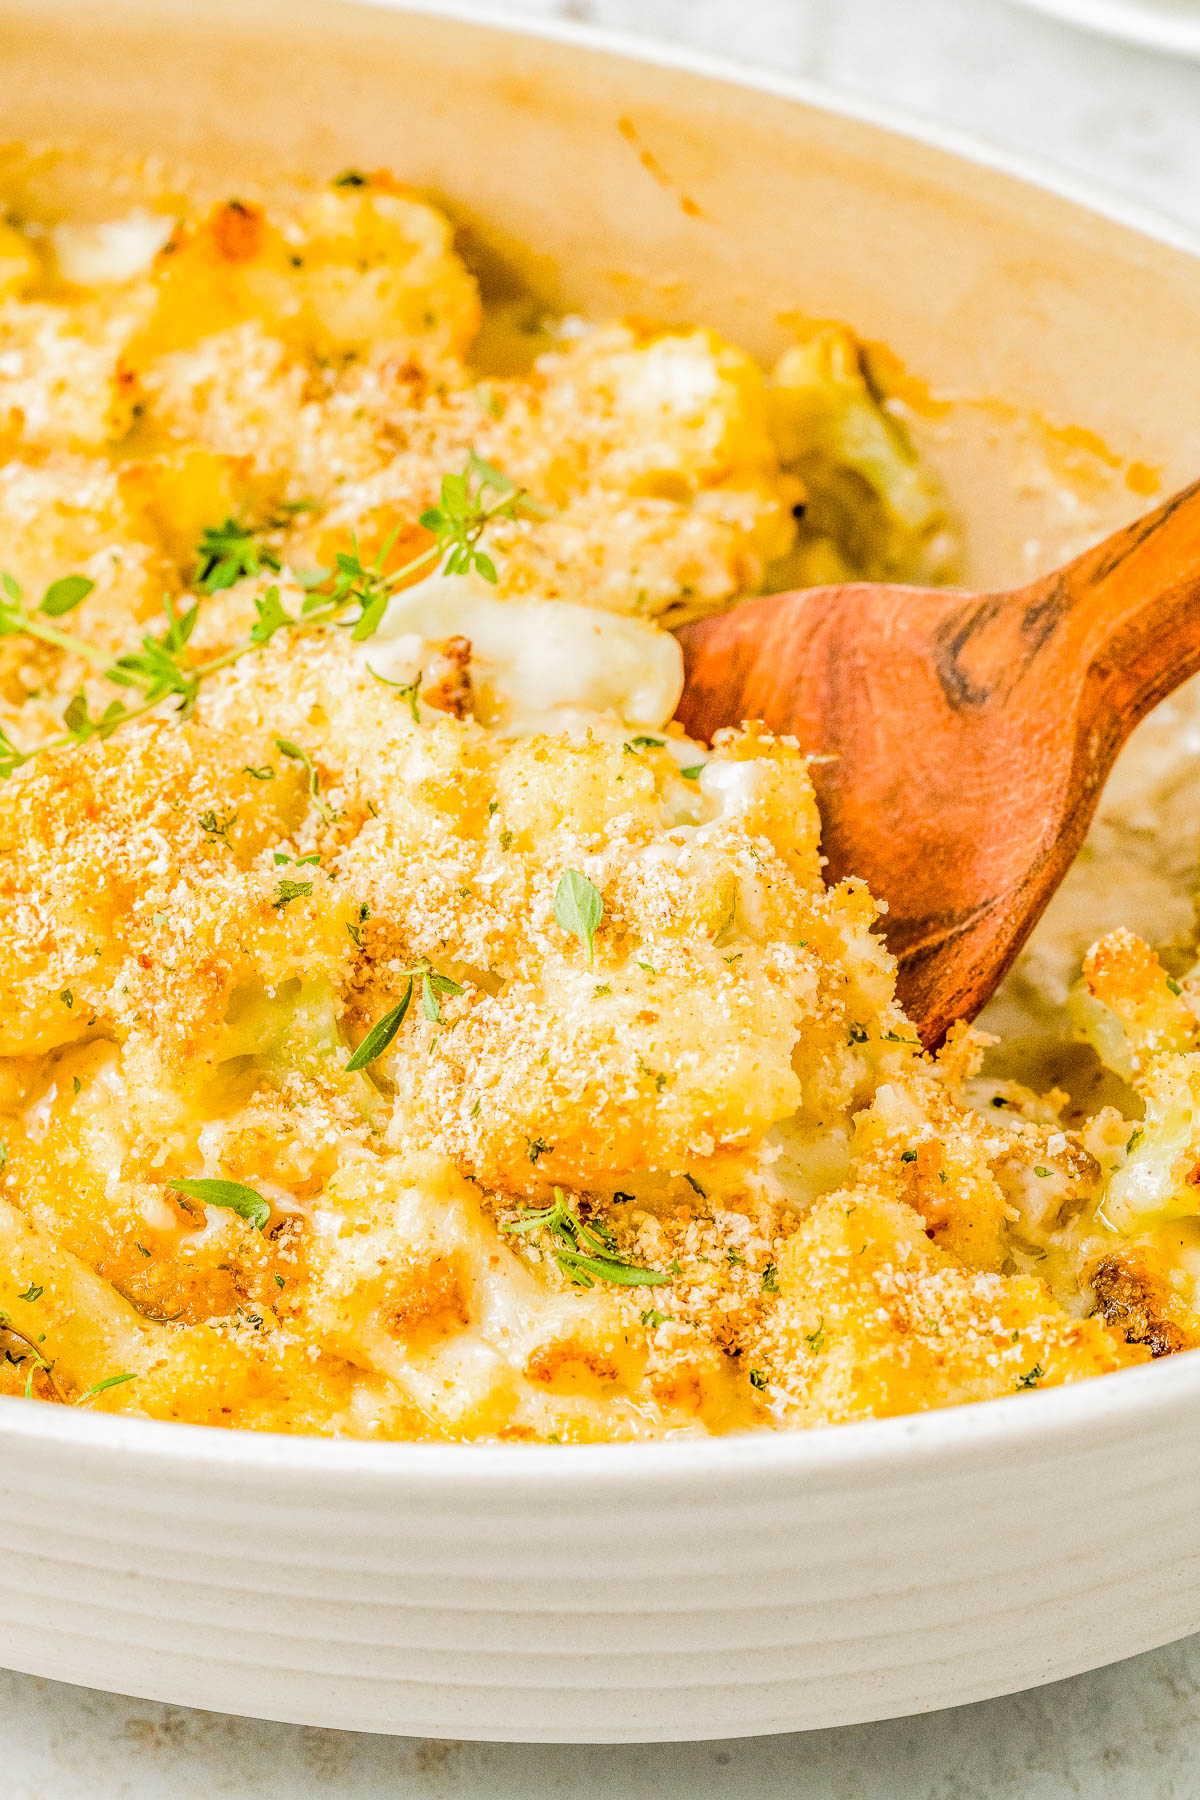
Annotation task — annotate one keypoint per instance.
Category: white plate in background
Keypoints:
(1171, 25)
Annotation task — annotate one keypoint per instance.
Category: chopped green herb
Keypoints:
(287, 891)
(770, 1279)
(32, 1293)
(381, 1033)
(355, 930)
(1031, 1377)
(279, 1281)
(816, 1339)
(693, 772)
(536, 1147)
(1040, 1169)
(506, 838)
(602, 989)
(908, 1156)
(1135, 1139)
(234, 1196)
(266, 773)
(296, 753)
(100, 1387)
(67, 998)
(858, 1034)
(655, 1075)
(433, 984)
(212, 826)
(758, 1380)
(695, 1186)
(1174, 985)
(141, 1249)
(644, 743)
(227, 554)
(579, 909)
(588, 1252)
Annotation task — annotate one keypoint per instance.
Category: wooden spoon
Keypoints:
(970, 734)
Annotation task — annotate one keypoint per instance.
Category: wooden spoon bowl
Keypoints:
(968, 735)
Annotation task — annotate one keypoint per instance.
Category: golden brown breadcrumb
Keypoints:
(322, 1108)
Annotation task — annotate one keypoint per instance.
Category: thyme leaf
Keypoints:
(579, 909)
(227, 554)
(352, 594)
(100, 1387)
(384, 1030)
(234, 1196)
(585, 1252)
(381, 1033)
(64, 595)
(288, 890)
(297, 753)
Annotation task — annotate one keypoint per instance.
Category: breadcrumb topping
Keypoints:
(408, 1033)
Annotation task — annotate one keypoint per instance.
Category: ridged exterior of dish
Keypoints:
(677, 1590)
(656, 1592)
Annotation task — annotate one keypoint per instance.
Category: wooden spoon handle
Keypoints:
(1120, 627)
(965, 737)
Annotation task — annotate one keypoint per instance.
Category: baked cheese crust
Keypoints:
(404, 1031)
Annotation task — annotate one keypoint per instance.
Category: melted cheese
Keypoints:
(643, 1071)
(535, 663)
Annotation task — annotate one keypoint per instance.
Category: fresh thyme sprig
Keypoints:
(353, 594)
(228, 553)
(589, 1253)
(384, 1030)
(59, 599)
(34, 1356)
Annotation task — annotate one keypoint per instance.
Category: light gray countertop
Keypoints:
(1119, 118)
(1126, 1733)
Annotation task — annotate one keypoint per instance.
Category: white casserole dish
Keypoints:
(699, 1589)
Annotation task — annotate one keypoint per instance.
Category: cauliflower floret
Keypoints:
(873, 512)
(61, 381)
(875, 1320)
(364, 268)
